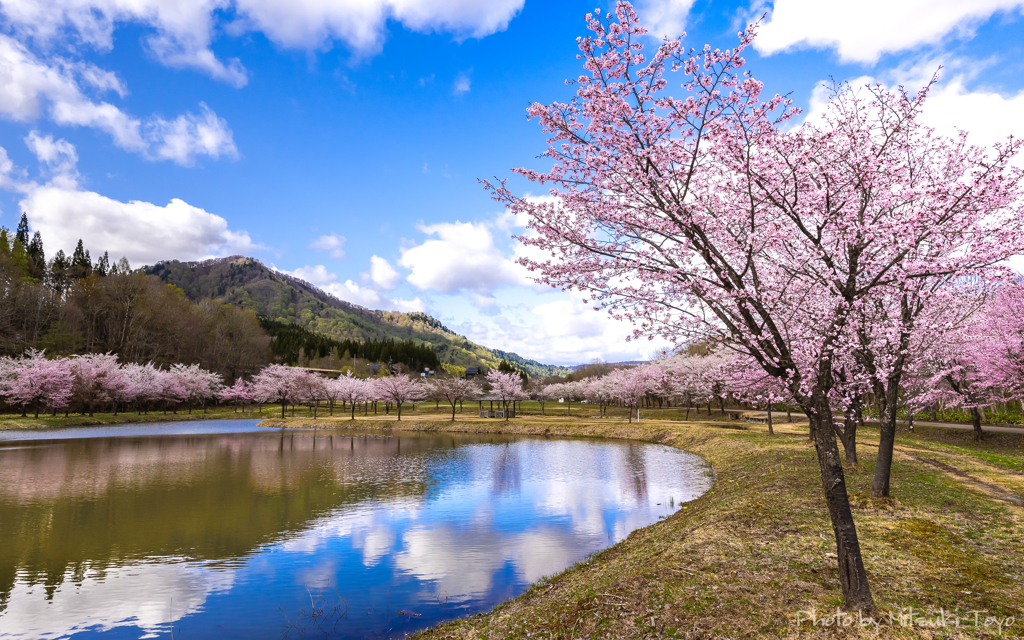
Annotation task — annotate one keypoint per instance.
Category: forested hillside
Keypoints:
(249, 284)
(72, 305)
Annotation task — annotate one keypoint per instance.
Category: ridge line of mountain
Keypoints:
(248, 283)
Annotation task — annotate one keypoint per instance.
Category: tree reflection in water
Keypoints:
(104, 533)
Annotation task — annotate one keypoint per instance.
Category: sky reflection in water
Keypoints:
(241, 534)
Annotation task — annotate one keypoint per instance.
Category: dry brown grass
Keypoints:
(746, 558)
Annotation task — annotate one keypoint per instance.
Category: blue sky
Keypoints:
(342, 141)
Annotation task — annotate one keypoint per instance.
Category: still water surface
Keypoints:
(226, 530)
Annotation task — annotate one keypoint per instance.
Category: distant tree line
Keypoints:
(293, 344)
(74, 305)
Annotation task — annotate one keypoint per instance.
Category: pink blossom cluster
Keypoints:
(41, 383)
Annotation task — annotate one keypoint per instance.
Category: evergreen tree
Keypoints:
(36, 257)
(20, 258)
(23, 231)
(81, 265)
(5, 242)
(102, 267)
(59, 268)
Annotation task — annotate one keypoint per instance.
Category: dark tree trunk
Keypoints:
(852, 576)
(771, 429)
(283, 405)
(886, 441)
(399, 410)
(979, 435)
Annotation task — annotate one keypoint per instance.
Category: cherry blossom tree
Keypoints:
(97, 378)
(145, 381)
(631, 385)
(398, 389)
(277, 383)
(541, 393)
(453, 390)
(1000, 356)
(701, 219)
(170, 389)
(332, 393)
(37, 381)
(239, 393)
(199, 384)
(507, 386)
(353, 390)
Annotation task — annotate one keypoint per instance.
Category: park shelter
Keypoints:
(491, 413)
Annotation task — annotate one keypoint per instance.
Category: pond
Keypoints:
(222, 529)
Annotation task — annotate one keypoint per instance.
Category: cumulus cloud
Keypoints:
(185, 30)
(362, 25)
(190, 135)
(383, 274)
(863, 31)
(461, 257)
(143, 232)
(351, 291)
(31, 88)
(332, 243)
(562, 331)
(664, 17)
(58, 155)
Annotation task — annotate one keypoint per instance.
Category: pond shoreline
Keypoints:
(754, 556)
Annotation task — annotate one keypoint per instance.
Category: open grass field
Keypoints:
(755, 556)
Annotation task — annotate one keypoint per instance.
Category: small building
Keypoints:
(472, 372)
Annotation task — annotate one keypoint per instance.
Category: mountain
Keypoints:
(249, 284)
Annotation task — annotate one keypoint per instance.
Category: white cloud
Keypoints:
(183, 52)
(331, 242)
(350, 291)
(185, 30)
(31, 88)
(461, 84)
(950, 105)
(664, 17)
(59, 156)
(988, 116)
(143, 232)
(383, 274)
(189, 135)
(863, 31)
(463, 257)
(361, 25)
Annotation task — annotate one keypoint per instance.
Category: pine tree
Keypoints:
(59, 267)
(36, 257)
(20, 258)
(102, 265)
(81, 265)
(5, 242)
(23, 230)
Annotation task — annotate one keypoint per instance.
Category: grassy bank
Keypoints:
(15, 421)
(755, 556)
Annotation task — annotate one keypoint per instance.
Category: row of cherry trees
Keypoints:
(87, 381)
(686, 202)
(291, 386)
